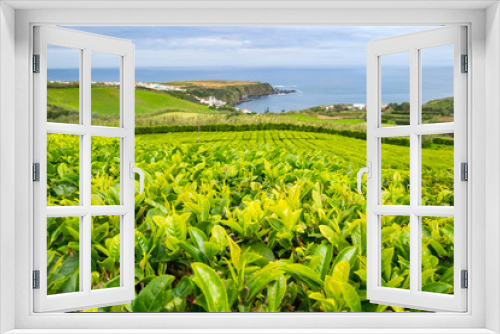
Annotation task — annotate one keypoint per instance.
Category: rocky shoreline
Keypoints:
(276, 91)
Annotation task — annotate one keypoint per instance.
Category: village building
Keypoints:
(212, 101)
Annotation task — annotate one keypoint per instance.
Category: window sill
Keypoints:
(251, 331)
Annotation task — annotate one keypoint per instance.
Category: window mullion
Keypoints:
(85, 174)
(414, 170)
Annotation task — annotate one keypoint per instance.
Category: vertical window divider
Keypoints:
(414, 170)
(40, 149)
(127, 233)
(373, 155)
(86, 173)
(82, 200)
(124, 173)
(418, 169)
(460, 155)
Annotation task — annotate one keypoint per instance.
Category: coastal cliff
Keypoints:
(232, 92)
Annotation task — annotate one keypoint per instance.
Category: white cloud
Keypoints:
(297, 46)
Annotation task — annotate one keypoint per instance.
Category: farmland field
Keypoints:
(251, 221)
(108, 99)
(63, 105)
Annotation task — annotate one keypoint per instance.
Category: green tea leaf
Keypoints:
(212, 287)
(328, 233)
(275, 293)
(150, 299)
(303, 273)
(348, 254)
(235, 252)
(341, 272)
(325, 254)
(351, 297)
(387, 255)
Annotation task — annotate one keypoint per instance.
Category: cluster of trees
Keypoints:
(435, 111)
(336, 110)
(73, 84)
(54, 112)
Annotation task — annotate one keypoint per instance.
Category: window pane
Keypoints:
(105, 90)
(395, 257)
(105, 182)
(395, 86)
(105, 252)
(63, 259)
(437, 170)
(63, 170)
(63, 82)
(437, 254)
(437, 84)
(395, 171)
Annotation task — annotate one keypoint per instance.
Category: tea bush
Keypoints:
(256, 221)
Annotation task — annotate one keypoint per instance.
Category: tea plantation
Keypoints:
(256, 221)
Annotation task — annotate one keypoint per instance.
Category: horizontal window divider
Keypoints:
(393, 131)
(68, 295)
(434, 129)
(80, 130)
(420, 307)
(67, 211)
(422, 129)
(392, 210)
(101, 131)
(430, 211)
(395, 290)
(79, 300)
(407, 210)
(76, 211)
(435, 295)
(108, 210)
(107, 291)
(421, 40)
(67, 129)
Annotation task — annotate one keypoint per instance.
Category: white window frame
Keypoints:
(85, 44)
(483, 49)
(412, 44)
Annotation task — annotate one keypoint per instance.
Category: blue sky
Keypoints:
(286, 46)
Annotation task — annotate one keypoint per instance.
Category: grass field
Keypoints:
(257, 221)
(156, 108)
(106, 101)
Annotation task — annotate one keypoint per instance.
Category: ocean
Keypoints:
(313, 86)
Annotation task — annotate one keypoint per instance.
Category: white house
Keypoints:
(212, 101)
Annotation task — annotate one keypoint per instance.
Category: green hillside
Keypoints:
(435, 111)
(105, 101)
(225, 90)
